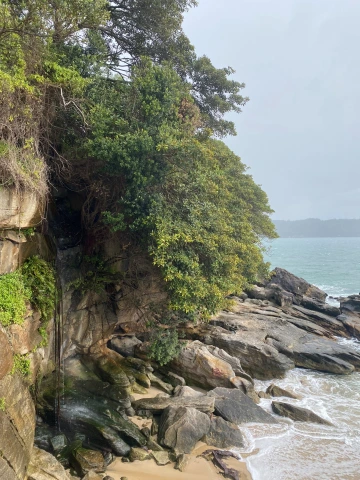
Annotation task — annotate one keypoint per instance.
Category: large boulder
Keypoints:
(182, 427)
(159, 404)
(44, 466)
(234, 406)
(201, 367)
(298, 414)
(124, 345)
(295, 285)
(223, 434)
(276, 391)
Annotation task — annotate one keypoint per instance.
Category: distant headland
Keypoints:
(314, 227)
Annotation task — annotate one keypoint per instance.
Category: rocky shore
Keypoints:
(116, 403)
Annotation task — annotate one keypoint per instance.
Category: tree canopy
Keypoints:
(115, 91)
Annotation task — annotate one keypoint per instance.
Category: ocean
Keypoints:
(306, 451)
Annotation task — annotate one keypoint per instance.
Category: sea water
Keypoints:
(307, 451)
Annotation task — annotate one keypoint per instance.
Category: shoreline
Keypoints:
(198, 468)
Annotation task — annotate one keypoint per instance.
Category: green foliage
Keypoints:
(165, 345)
(13, 297)
(21, 364)
(95, 275)
(28, 232)
(2, 404)
(39, 279)
(44, 336)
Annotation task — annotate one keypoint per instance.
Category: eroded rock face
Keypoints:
(182, 427)
(6, 356)
(206, 367)
(17, 427)
(44, 466)
(20, 209)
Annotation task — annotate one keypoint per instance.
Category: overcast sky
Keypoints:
(300, 60)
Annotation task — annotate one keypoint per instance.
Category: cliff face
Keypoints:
(19, 342)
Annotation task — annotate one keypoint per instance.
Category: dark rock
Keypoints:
(175, 380)
(234, 406)
(223, 434)
(217, 458)
(326, 321)
(146, 432)
(298, 414)
(276, 391)
(157, 405)
(182, 427)
(43, 466)
(124, 345)
(312, 304)
(295, 285)
(83, 460)
(350, 304)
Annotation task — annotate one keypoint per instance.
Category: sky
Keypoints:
(300, 61)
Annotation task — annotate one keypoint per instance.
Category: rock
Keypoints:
(223, 434)
(124, 345)
(58, 442)
(234, 406)
(312, 304)
(259, 359)
(83, 460)
(295, 285)
(152, 445)
(186, 392)
(6, 355)
(264, 395)
(328, 322)
(44, 466)
(182, 461)
(20, 209)
(108, 367)
(158, 405)
(350, 304)
(200, 367)
(146, 432)
(276, 391)
(108, 478)
(157, 382)
(175, 380)
(17, 427)
(182, 427)
(139, 454)
(161, 458)
(298, 414)
(217, 458)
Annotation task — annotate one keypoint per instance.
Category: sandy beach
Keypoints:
(197, 469)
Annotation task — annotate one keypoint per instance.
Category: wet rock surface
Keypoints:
(223, 434)
(298, 414)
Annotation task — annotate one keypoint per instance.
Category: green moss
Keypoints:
(21, 364)
(39, 278)
(2, 404)
(34, 282)
(13, 297)
(44, 336)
